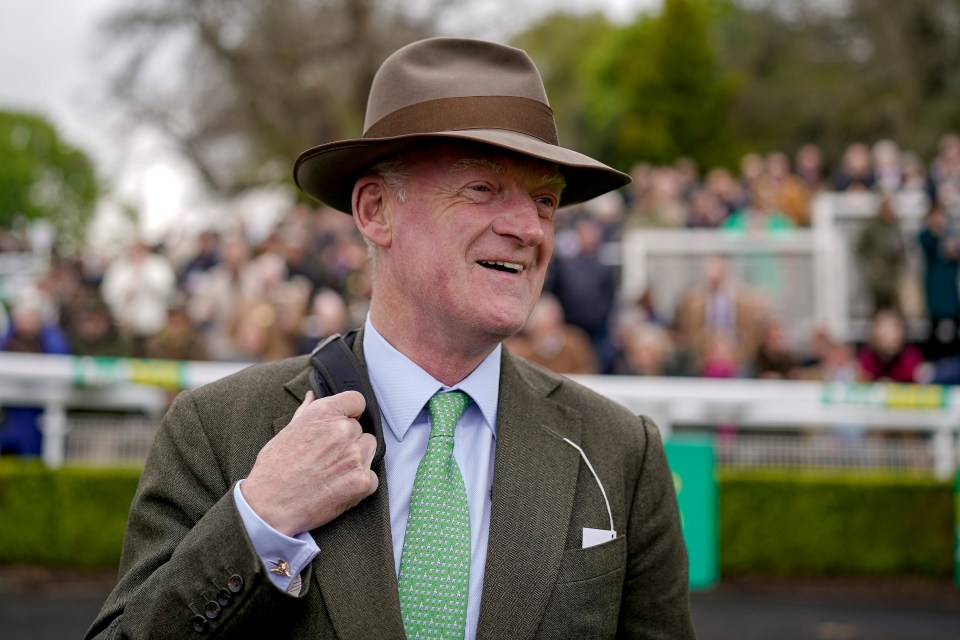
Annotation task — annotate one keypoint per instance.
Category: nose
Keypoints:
(521, 221)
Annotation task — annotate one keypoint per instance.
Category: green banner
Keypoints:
(99, 372)
(889, 395)
(692, 464)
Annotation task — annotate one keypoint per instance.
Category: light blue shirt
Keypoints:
(402, 389)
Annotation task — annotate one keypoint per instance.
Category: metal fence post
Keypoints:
(53, 425)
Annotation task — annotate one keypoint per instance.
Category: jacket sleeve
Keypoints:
(188, 568)
(656, 593)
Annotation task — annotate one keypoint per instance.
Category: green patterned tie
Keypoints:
(435, 564)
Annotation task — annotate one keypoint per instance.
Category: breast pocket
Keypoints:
(585, 602)
(593, 562)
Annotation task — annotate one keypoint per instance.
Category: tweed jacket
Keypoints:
(185, 545)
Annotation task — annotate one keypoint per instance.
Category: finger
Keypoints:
(307, 399)
(348, 403)
(374, 484)
(369, 447)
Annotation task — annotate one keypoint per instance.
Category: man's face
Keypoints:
(471, 243)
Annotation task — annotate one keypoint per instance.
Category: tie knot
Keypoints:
(445, 411)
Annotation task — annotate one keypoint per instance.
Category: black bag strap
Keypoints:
(336, 369)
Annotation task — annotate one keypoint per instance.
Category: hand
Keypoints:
(316, 468)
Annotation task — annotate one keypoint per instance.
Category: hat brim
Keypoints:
(329, 171)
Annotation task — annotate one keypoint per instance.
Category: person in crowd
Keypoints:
(661, 203)
(261, 495)
(31, 330)
(344, 260)
(648, 350)
(775, 358)
(549, 341)
(945, 173)
(707, 211)
(940, 248)
(66, 288)
(328, 315)
(179, 339)
(856, 169)
(759, 215)
(721, 183)
(721, 305)
(609, 212)
(255, 335)
(752, 168)
(887, 167)
(205, 258)
(887, 357)
(688, 177)
(762, 211)
(301, 261)
(840, 363)
(917, 186)
(882, 253)
(138, 286)
(782, 192)
(94, 332)
(720, 357)
(286, 294)
(586, 288)
(219, 292)
(641, 309)
(639, 196)
(808, 167)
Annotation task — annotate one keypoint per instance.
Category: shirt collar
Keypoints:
(403, 388)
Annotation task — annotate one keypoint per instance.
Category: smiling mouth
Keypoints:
(506, 267)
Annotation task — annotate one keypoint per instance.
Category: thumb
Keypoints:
(348, 403)
(307, 399)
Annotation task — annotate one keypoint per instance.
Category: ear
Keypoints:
(370, 200)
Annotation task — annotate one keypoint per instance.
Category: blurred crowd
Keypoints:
(220, 296)
(772, 193)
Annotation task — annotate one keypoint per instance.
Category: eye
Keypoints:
(547, 205)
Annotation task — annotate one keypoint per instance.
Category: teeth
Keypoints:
(513, 266)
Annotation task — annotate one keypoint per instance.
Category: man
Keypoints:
(718, 306)
(258, 513)
(882, 252)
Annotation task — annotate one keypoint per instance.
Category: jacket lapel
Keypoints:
(353, 572)
(534, 479)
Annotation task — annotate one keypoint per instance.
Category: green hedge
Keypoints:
(71, 517)
(790, 523)
(775, 523)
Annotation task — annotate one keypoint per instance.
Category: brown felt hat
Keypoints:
(454, 89)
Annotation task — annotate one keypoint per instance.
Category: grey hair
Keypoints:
(395, 174)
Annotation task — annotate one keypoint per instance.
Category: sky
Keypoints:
(48, 66)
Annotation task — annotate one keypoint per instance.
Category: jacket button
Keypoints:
(212, 610)
(235, 583)
(224, 597)
(200, 624)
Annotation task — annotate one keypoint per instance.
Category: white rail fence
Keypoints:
(106, 410)
(810, 276)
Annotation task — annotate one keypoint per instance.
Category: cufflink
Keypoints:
(280, 567)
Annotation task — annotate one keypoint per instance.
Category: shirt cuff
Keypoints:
(273, 546)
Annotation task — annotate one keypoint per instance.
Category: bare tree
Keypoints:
(242, 86)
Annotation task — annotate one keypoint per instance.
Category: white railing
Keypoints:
(61, 383)
(777, 405)
(810, 276)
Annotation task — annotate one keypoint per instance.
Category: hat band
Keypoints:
(523, 115)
